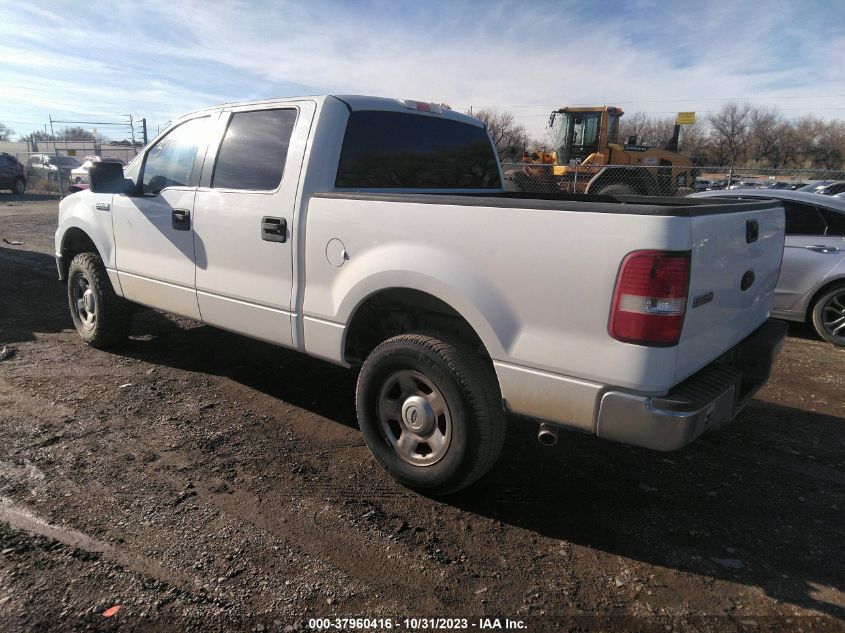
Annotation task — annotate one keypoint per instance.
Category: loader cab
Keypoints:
(584, 131)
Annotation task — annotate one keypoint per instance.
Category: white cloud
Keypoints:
(505, 54)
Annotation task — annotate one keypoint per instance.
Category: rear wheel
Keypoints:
(19, 187)
(829, 315)
(101, 318)
(431, 413)
(618, 189)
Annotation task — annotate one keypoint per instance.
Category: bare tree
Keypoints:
(730, 127)
(77, 134)
(742, 135)
(695, 141)
(651, 131)
(765, 131)
(510, 137)
(5, 132)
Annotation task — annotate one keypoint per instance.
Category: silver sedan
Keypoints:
(811, 286)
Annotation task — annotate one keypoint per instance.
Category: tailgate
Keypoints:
(736, 257)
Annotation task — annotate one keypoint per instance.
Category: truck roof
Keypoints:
(354, 103)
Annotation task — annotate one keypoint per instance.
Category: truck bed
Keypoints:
(629, 205)
(535, 274)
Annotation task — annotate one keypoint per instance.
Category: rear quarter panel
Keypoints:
(536, 285)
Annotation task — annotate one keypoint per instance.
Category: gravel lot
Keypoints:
(201, 481)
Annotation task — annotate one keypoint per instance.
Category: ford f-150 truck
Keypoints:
(375, 234)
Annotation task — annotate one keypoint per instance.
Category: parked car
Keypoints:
(832, 189)
(80, 174)
(746, 184)
(701, 184)
(815, 186)
(12, 174)
(376, 233)
(50, 167)
(811, 286)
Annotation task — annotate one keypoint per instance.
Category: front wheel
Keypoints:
(430, 411)
(20, 186)
(829, 316)
(101, 318)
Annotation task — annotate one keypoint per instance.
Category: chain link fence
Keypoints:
(652, 180)
(55, 169)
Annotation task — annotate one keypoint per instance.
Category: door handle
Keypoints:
(181, 219)
(102, 206)
(821, 248)
(274, 229)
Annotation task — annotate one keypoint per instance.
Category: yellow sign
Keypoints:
(685, 118)
(71, 152)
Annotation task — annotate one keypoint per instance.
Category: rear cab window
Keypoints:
(396, 150)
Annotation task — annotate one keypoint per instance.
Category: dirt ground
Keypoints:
(201, 481)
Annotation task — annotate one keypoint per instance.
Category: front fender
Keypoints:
(79, 212)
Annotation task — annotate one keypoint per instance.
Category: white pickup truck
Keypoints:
(375, 234)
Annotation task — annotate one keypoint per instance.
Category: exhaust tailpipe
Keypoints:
(547, 435)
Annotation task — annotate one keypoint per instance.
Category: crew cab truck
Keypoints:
(375, 234)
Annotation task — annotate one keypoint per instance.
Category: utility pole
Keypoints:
(56, 153)
(144, 124)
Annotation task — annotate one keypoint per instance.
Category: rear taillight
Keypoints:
(650, 298)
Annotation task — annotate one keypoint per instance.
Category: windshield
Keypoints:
(577, 136)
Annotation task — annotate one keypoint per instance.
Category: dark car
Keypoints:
(12, 174)
(50, 167)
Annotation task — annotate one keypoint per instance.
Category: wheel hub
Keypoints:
(89, 300)
(414, 417)
(418, 415)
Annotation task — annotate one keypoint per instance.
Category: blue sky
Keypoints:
(159, 59)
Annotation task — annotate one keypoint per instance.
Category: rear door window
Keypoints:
(395, 150)
(254, 149)
(803, 219)
(835, 221)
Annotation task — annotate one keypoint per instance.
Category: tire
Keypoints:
(616, 190)
(101, 318)
(450, 392)
(19, 187)
(829, 315)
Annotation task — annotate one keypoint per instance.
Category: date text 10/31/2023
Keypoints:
(415, 624)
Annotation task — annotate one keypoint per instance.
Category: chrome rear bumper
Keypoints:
(711, 397)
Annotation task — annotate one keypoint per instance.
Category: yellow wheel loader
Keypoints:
(588, 158)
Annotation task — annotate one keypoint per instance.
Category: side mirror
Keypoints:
(108, 178)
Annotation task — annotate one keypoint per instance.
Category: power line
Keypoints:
(546, 114)
(684, 100)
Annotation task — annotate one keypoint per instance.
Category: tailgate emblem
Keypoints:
(700, 300)
(752, 231)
